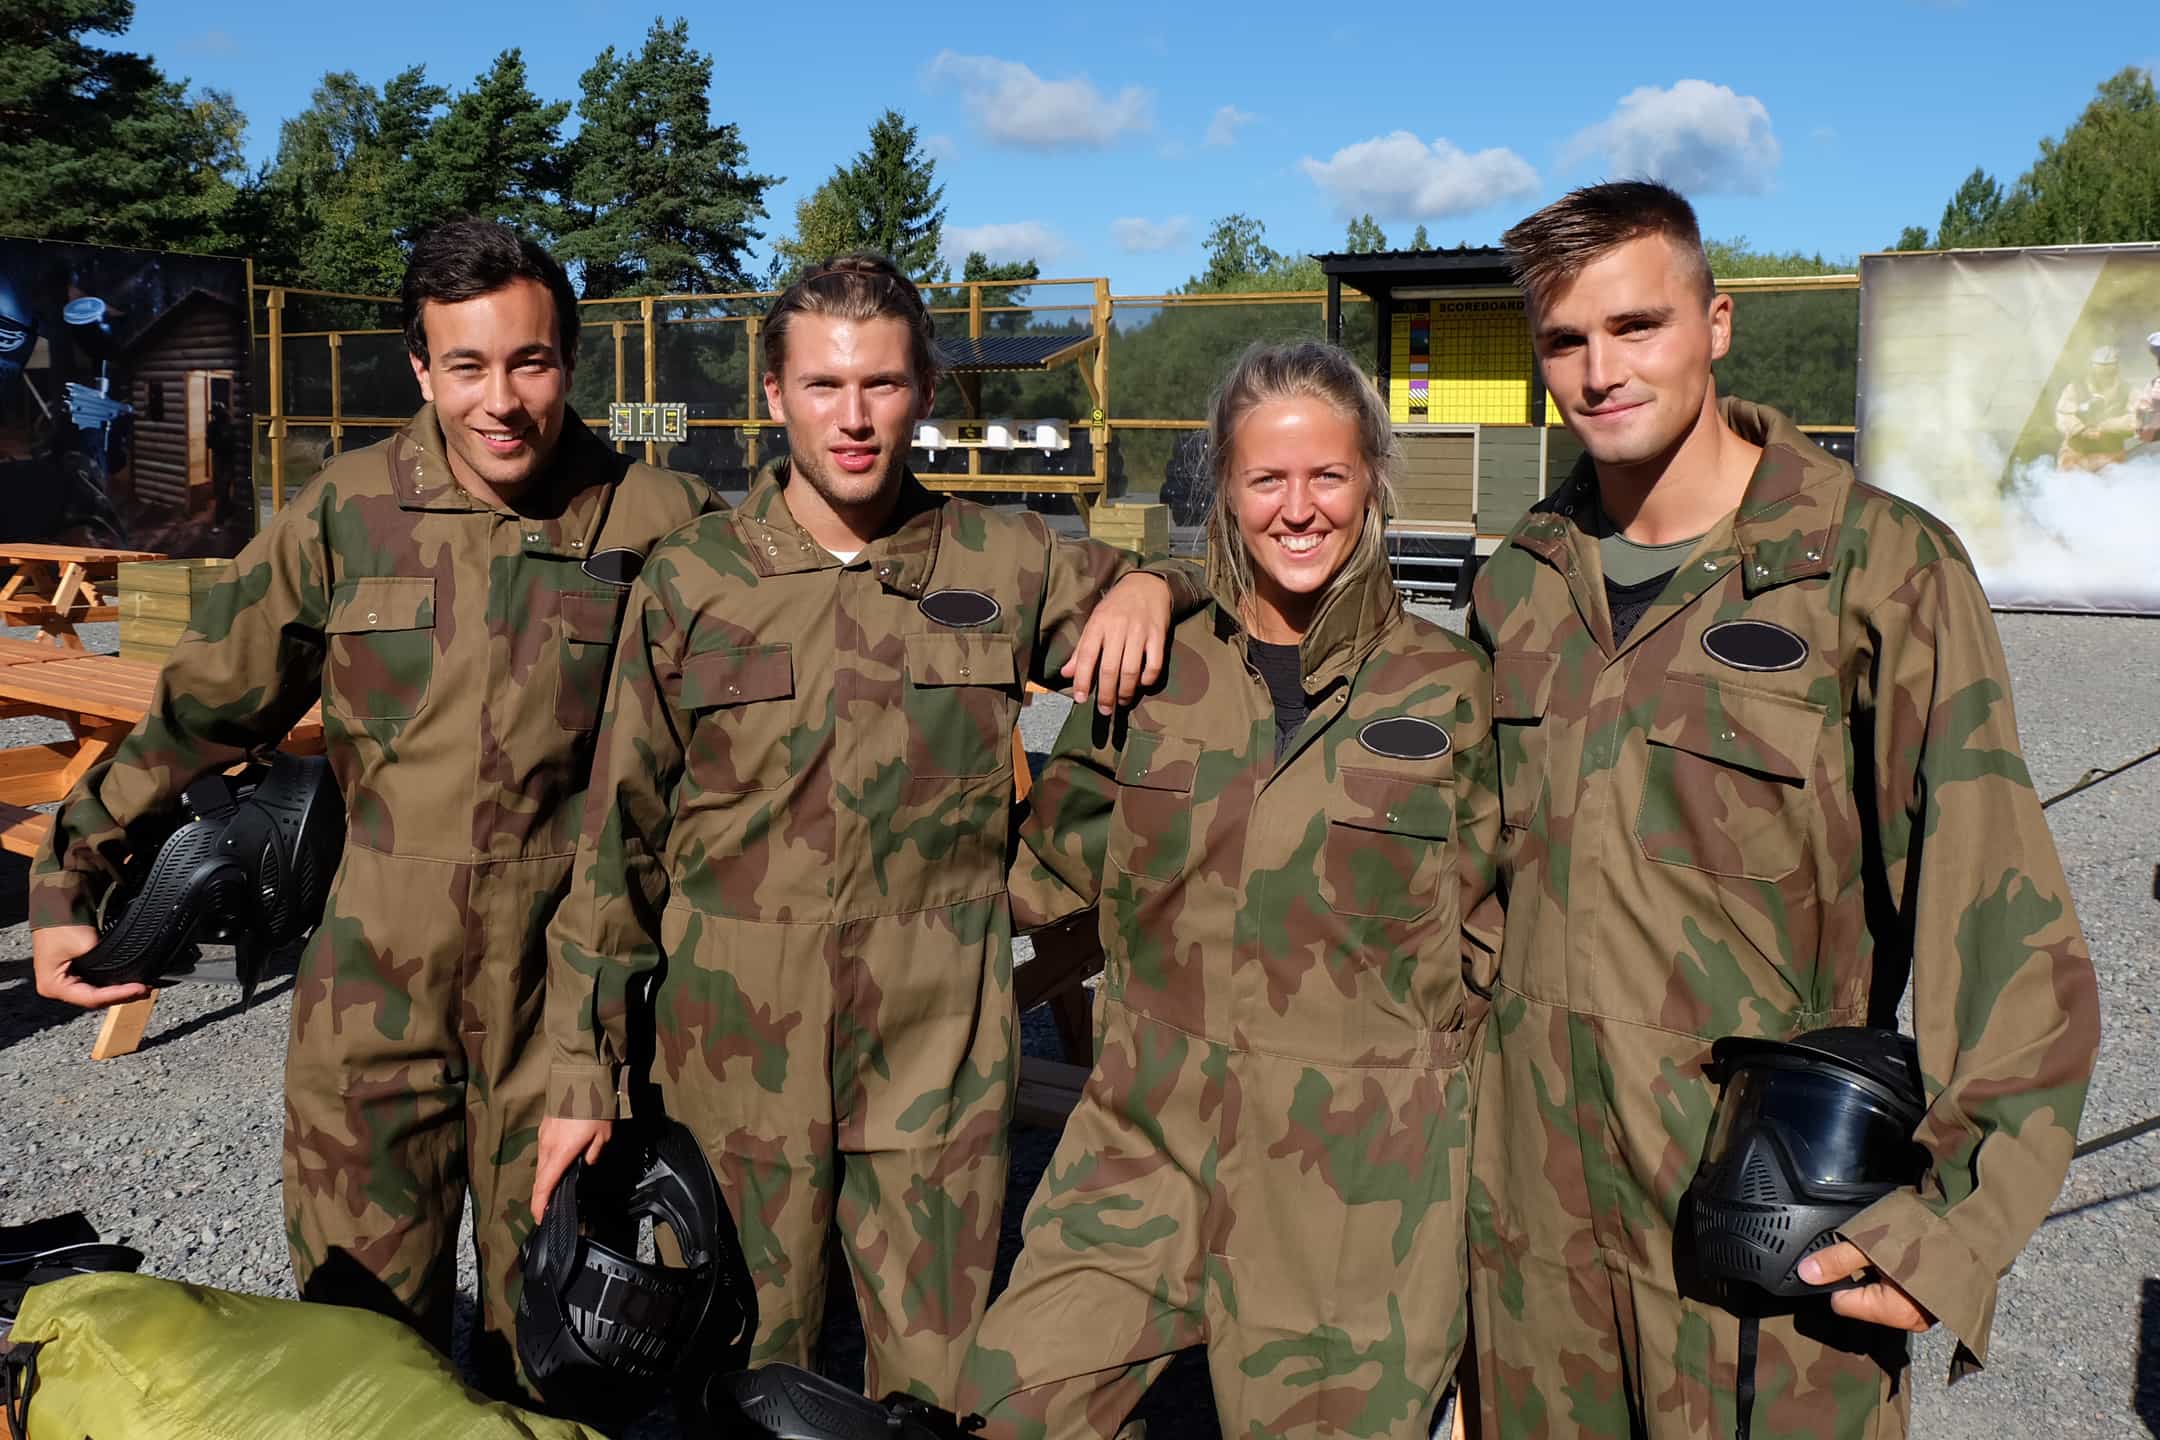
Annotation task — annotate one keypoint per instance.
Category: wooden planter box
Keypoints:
(158, 601)
(1144, 529)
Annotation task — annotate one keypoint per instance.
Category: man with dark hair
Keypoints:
(1758, 770)
(450, 595)
(801, 818)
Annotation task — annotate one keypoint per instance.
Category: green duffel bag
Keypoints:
(132, 1357)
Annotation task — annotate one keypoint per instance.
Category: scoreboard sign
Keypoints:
(666, 423)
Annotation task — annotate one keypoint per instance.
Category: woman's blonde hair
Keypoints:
(1316, 371)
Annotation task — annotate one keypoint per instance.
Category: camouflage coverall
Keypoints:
(460, 653)
(804, 780)
(1271, 1155)
(1717, 832)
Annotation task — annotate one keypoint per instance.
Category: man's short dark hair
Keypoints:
(1556, 244)
(468, 257)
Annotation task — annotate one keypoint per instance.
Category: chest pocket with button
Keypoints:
(961, 703)
(1522, 693)
(1386, 849)
(588, 622)
(743, 716)
(380, 634)
(1725, 791)
(1151, 829)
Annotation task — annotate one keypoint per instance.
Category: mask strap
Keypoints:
(1744, 1381)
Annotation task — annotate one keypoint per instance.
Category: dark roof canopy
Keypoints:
(959, 355)
(1379, 272)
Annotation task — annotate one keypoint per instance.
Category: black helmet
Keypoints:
(250, 866)
(1807, 1133)
(593, 1316)
(53, 1249)
(787, 1402)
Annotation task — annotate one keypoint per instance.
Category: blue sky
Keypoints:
(1103, 138)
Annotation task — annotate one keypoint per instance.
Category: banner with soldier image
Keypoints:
(2016, 393)
(125, 408)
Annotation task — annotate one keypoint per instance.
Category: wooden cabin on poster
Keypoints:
(189, 384)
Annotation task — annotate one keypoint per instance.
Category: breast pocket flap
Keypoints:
(1154, 761)
(961, 660)
(381, 602)
(1769, 734)
(719, 678)
(1522, 683)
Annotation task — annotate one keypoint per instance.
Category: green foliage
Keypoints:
(1912, 237)
(1365, 236)
(1735, 259)
(494, 152)
(98, 145)
(657, 198)
(1797, 351)
(1419, 240)
(885, 200)
(2098, 184)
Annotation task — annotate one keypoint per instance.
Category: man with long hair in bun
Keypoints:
(801, 818)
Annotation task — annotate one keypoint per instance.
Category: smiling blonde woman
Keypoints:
(1290, 850)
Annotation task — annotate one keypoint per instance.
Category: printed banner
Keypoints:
(2016, 394)
(125, 410)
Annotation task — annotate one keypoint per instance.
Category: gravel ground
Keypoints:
(175, 1149)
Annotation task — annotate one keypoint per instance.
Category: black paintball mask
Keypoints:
(250, 866)
(1807, 1133)
(787, 1402)
(597, 1327)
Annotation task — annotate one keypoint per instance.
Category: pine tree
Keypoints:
(658, 199)
(494, 152)
(886, 200)
(98, 145)
(1419, 241)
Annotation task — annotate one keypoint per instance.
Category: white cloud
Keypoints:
(1136, 235)
(1400, 177)
(1696, 137)
(1012, 240)
(939, 147)
(1222, 130)
(1016, 106)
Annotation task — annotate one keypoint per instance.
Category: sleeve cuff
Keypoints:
(581, 1092)
(1920, 1250)
(60, 897)
(1189, 593)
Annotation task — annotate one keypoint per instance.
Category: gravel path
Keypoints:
(175, 1149)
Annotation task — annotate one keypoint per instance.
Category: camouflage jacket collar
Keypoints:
(1785, 528)
(903, 556)
(563, 517)
(1351, 622)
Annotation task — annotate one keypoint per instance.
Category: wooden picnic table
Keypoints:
(56, 586)
(100, 698)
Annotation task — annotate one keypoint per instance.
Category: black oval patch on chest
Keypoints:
(1404, 737)
(614, 567)
(960, 609)
(1754, 645)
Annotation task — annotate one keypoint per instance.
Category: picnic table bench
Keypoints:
(55, 587)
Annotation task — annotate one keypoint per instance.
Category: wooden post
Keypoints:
(620, 394)
(754, 373)
(337, 393)
(645, 314)
(1099, 433)
(275, 300)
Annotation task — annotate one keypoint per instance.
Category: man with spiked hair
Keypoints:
(804, 793)
(1759, 771)
(450, 596)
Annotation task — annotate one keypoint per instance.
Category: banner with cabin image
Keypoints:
(125, 399)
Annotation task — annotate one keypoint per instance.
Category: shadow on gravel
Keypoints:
(2103, 1202)
(2147, 1398)
(274, 987)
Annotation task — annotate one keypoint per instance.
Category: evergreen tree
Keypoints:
(494, 152)
(1418, 240)
(1365, 236)
(886, 200)
(657, 198)
(98, 145)
(1912, 237)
